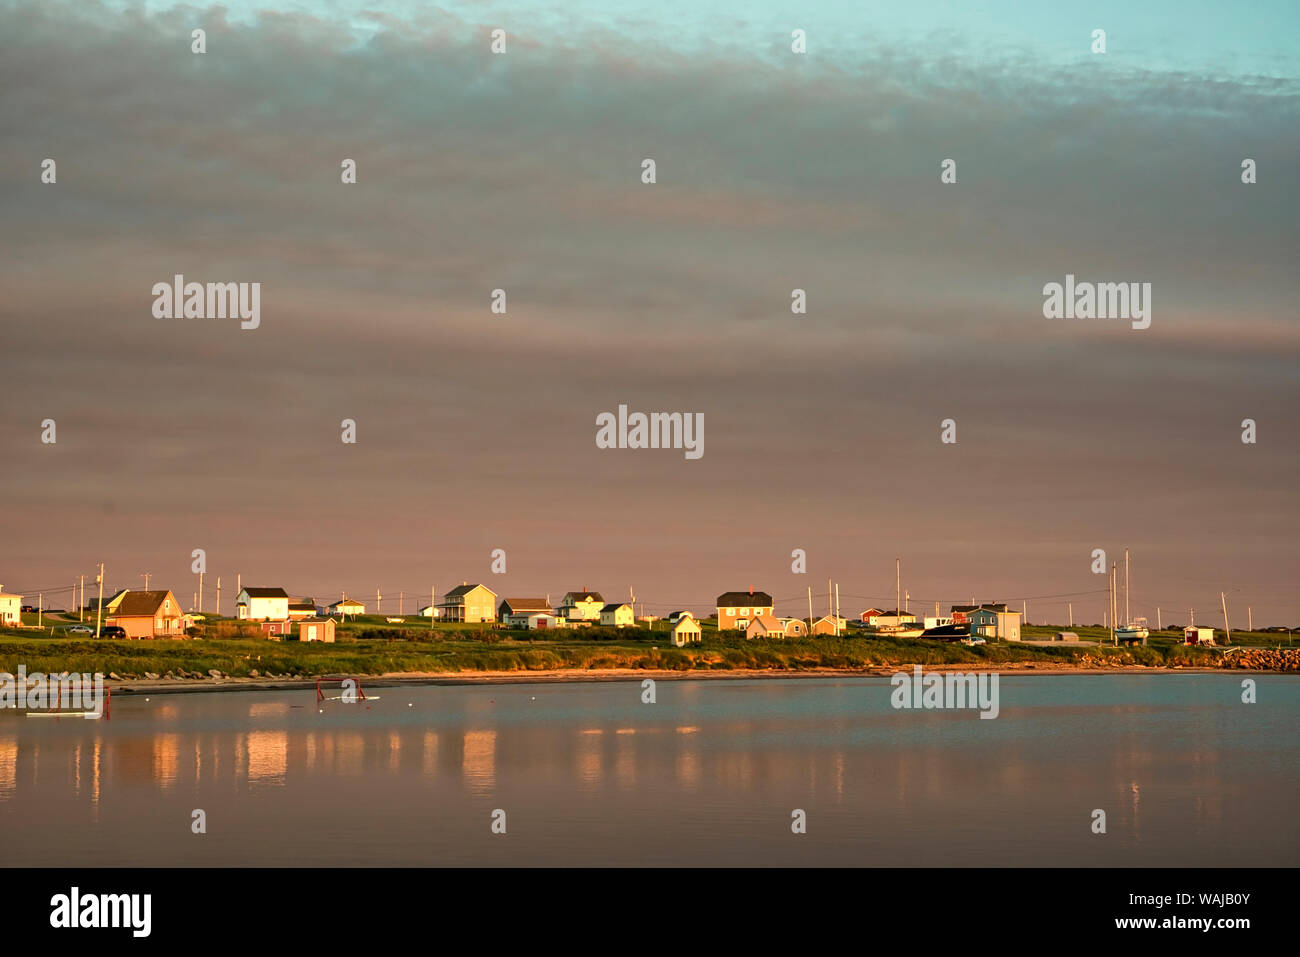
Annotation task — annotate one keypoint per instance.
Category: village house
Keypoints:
(991, 623)
(765, 626)
(515, 612)
(686, 631)
(825, 625)
(10, 608)
(961, 613)
(736, 609)
(302, 608)
(261, 604)
(347, 606)
(429, 611)
(1196, 635)
(581, 605)
(617, 614)
(276, 630)
(677, 616)
(469, 603)
(892, 619)
(870, 614)
(316, 629)
(794, 627)
(149, 614)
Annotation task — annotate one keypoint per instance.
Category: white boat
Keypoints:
(1136, 630)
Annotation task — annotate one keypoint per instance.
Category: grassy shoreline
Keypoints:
(375, 649)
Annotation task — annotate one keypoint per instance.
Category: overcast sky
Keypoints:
(775, 171)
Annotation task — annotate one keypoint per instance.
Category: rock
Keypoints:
(254, 674)
(115, 676)
(151, 676)
(214, 673)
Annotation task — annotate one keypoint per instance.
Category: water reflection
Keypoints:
(478, 760)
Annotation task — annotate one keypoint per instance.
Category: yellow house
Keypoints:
(347, 606)
(620, 616)
(582, 606)
(765, 626)
(468, 602)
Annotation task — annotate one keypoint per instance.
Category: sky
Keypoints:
(775, 171)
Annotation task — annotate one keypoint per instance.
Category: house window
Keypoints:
(731, 612)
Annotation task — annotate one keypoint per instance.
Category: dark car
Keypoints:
(112, 631)
(29, 608)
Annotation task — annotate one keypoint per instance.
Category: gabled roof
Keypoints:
(615, 605)
(578, 596)
(684, 620)
(142, 604)
(461, 591)
(266, 592)
(347, 601)
(768, 622)
(988, 606)
(745, 599)
(305, 603)
(522, 606)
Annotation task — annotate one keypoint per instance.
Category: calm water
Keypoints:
(587, 774)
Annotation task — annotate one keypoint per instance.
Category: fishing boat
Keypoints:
(1134, 631)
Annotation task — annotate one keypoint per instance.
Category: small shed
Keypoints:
(1196, 635)
(316, 629)
(1066, 636)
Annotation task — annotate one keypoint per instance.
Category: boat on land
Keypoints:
(1134, 631)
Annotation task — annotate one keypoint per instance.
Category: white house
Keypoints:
(618, 615)
(261, 604)
(10, 609)
(517, 612)
(430, 611)
(988, 623)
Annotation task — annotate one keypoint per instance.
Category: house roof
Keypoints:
(313, 621)
(347, 601)
(768, 622)
(462, 590)
(583, 596)
(744, 599)
(266, 593)
(519, 606)
(988, 606)
(615, 605)
(141, 604)
(305, 603)
(686, 620)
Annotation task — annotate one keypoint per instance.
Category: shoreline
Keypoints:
(552, 676)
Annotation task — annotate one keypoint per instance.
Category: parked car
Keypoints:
(28, 608)
(81, 630)
(112, 631)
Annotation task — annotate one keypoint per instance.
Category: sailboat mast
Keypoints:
(1128, 619)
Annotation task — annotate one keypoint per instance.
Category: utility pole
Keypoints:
(1024, 611)
(200, 602)
(810, 617)
(837, 611)
(1111, 596)
(401, 603)
(898, 588)
(218, 596)
(1227, 631)
(1160, 626)
(40, 609)
(907, 602)
(1071, 604)
(377, 600)
(146, 581)
(1250, 618)
(1128, 618)
(81, 612)
(830, 602)
(433, 608)
(100, 604)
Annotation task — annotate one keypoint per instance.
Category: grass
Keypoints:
(372, 646)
